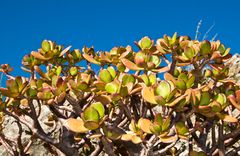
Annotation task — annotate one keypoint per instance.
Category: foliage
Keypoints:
(141, 102)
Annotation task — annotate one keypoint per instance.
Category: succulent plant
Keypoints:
(121, 103)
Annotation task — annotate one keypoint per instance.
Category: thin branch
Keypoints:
(6, 145)
(208, 31)
(97, 150)
(19, 140)
(221, 146)
(197, 30)
(165, 148)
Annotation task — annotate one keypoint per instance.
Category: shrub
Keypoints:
(169, 97)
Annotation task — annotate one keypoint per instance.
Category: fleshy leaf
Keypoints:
(90, 59)
(148, 95)
(163, 89)
(144, 125)
(91, 125)
(169, 139)
(112, 87)
(105, 76)
(76, 125)
(91, 114)
(128, 79)
(130, 65)
(145, 43)
(100, 108)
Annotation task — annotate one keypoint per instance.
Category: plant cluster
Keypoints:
(124, 102)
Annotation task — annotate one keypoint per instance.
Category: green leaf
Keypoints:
(140, 59)
(73, 71)
(100, 108)
(112, 71)
(158, 119)
(152, 79)
(190, 82)
(155, 59)
(163, 89)
(205, 47)
(128, 79)
(145, 79)
(46, 46)
(105, 76)
(145, 43)
(221, 98)
(181, 128)
(12, 86)
(181, 84)
(173, 39)
(183, 77)
(112, 87)
(189, 52)
(32, 92)
(76, 54)
(124, 91)
(59, 70)
(91, 114)
(166, 124)
(91, 125)
(205, 99)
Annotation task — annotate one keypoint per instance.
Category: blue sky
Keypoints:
(107, 23)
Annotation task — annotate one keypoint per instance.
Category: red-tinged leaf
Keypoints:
(227, 57)
(136, 139)
(176, 101)
(124, 54)
(127, 137)
(145, 125)
(40, 72)
(104, 57)
(39, 56)
(130, 65)
(148, 95)
(169, 77)
(136, 90)
(215, 55)
(238, 96)
(233, 102)
(6, 92)
(183, 64)
(60, 97)
(64, 51)
(227, 118)
(161, 70)
(217, 66)
(90, 59)
(169, 139)
(104, 99)
(76, 125)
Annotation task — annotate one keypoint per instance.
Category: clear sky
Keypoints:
(107, 23)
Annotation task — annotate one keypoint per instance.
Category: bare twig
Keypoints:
(221, 146)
